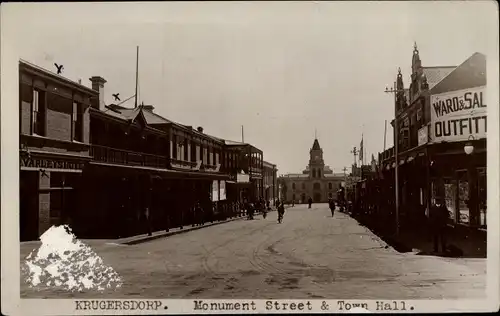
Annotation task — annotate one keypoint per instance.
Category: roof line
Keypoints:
(461, 64)
(56, 76)
(427, 67)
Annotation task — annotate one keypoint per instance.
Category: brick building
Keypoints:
(54, 148)
(317, 181)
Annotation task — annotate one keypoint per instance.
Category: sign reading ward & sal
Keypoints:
(456, 115)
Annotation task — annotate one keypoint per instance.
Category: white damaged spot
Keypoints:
(66, 262)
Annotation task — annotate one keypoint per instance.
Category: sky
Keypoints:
(282, 70)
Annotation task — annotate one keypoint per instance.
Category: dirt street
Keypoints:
(309, 255)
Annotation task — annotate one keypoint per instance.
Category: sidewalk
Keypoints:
(27, 247)
(173, 231)
(462, 241)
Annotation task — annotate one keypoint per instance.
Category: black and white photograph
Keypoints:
(249, 157)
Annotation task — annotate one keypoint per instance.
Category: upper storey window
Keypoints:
(38, 111)
(77, 122)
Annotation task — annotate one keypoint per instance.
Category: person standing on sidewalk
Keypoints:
(147, 220)
(147, 209)
(310, 201)
(439, 223)
(200, 218)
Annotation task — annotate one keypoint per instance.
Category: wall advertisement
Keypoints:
(215, 190)
(423, 135)
(457, 115)
(222, 190)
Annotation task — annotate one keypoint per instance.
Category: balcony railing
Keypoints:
(124, 157)
(183, 164)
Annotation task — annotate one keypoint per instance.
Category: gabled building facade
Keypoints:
(428, 166)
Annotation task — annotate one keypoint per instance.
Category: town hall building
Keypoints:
(317, 181)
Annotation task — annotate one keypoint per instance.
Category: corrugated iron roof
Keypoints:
(471, 73)
(435, 74)
(232, 142)
(153, 118)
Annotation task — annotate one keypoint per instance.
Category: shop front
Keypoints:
(50, 191)
(461, 180)
(132, 200)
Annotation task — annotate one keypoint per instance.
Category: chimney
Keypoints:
(98, 85)
(148, 107)
(200, 129)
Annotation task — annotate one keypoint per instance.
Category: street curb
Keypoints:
(139, 240)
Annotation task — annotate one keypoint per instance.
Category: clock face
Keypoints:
(317, 157)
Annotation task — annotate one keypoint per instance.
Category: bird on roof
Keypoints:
(59, 68)
(116, 96)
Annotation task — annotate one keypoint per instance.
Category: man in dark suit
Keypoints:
(439, 217)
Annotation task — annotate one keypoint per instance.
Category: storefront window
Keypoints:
(450, 194)
(463, 197)
(446, 188)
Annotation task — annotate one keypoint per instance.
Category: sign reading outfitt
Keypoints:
(457, 115)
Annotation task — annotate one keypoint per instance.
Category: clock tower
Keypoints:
(316, 162)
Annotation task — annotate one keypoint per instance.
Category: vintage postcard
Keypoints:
(249, 157)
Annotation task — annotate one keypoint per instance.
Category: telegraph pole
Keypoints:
(345, 177)
(136, 75)
(395, 91)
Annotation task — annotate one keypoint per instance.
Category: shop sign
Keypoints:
(242, 177)
(38, 163)
(423, 135)
(457, 115)
(215, 190)
(222, 190)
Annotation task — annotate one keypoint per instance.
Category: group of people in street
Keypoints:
(264, 207)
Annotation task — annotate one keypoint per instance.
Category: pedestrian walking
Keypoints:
(250, 209)
(439, 217)
(281, 212)
(310, 201)
(331, 203)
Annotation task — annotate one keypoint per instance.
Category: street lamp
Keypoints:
(469, 147)
(395, 91)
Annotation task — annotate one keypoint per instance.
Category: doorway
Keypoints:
(28, 205)
(317, 197)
